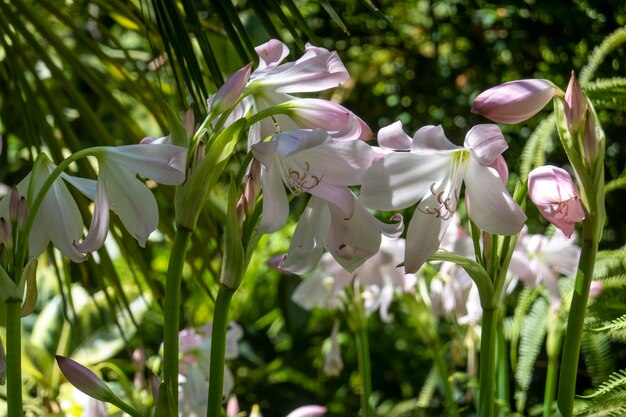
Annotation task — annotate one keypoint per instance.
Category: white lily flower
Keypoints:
(308, 161)
(119, 189)
(430, 175)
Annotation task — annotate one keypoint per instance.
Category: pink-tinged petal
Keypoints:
(340, 197)
(295, 141)
(232, 406)
(486, 143)
(431, 138)
(308, 411)
(492, 207)
(309, 113)
(131, 200)
(401, 179)
(307, 244)
(84, 379)
(149, 140)
(271, 54)
(264, 152)
(228, 93)
(162, 163)
(515, 101)
(575, 104)
(423, 236)
(352, 241)
(392, 137)
(552, 190)
(592, 137)
(99, 227)
(501, 168)
(275, 201)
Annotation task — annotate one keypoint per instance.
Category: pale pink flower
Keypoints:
(431, 175)
(515, 101)
(552, 190)
(575, 104)
(308, 411)
(230, 92)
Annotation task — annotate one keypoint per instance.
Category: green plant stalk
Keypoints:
(442, 368)
(14, 358)
(576, 318)
(553, 347)
(171, 313)
(218, 350)
(363, 359)
(487, 369)
(502, 386)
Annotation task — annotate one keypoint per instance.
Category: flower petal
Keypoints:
(400, 179)
(393, 137)
(340, 197)
(486, 142)
(99, 227)
(492, 207)
(308, 411)
(432, 138)
(275, 201)
(162, 163)
(271, 54)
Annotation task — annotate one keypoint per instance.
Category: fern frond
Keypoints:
(617, 336)
(615, 184)
(607, 406)
(609, 262)
(531, 341)
(596, 350)
(428, 389)
(617, 324)
(600, 52)
(533, 154)
(513, 331)
(616, 381)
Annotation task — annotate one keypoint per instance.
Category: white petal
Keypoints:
(393, 137)
(84, 185)
(162, 163)
(492, 207)
(275, 201)
(400, 179)
(131, 200)
(341, 197)
(99, 227)
(486, 142)
(307, 244)
(271, 53)
(423, 236)
(432, 138)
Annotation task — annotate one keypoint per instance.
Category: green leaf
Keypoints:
(233, 261)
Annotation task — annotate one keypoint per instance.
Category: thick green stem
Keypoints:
(553, 349)
(171, 312)
(503, 392)
(442, 368)
(487, 363)
(14, 358)
(218, 351)
(573, 335)
(363, 359)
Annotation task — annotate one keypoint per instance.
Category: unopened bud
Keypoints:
(591, 140)
(333, 364)
(575, 104)
(5, 233)
(14, 202)
(228, 93)
(22, 213)
(85, 380)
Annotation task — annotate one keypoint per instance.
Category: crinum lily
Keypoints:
(431, 174)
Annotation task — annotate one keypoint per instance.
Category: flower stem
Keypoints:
(573, 335)
(171, 313)
(14, 358)
(553, 347)
(442, 368)
(218, 351)
(487, 363)
(363, 359)
(503, 392)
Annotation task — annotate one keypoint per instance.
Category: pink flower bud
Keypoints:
(308, 411)
(515, 101)
(575, 104)
(84, 379)
(591, 139)
(14, 202)
(552, 190)
(6, 236)
(595, 289)
(228, 93)
(22, 213)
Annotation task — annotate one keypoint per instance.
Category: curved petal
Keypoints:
(131, 200)
(393, 137)
(341, 197)
(492, 207)
(308, 411)
(400, 179)
(162, 163)
(275, 201)
(423, 236)
(86, 186)
(307, 244)
(271, 54)
(486, 142)
(432, 138)
(99, 227)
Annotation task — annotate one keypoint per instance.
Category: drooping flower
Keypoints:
(431, 175)
(274, 82)
(552, 190)
(333, 363)
(515, 101)
(119, 189)
(541, 260)
(308, 161)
